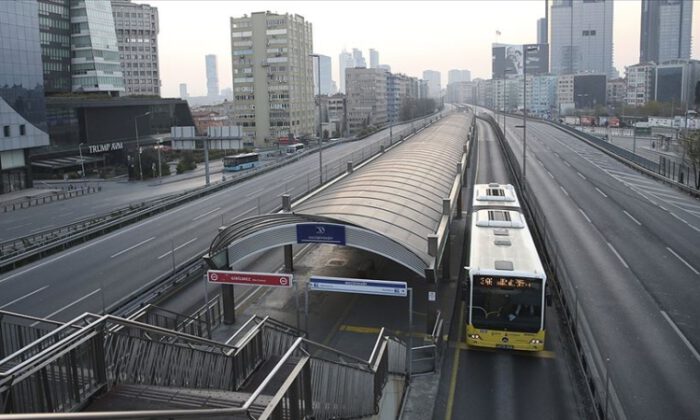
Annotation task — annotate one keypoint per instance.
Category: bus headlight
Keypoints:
(475, 336)
(535, 341)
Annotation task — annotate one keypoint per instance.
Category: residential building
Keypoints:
(337, 115)
(398, 89)
(677, 82)
(206, 118)
(183, 91)
(484, 94)
(384, 67)
(454, 76)
(641, 84)
(617, 92)
(665, 30)
(506, 94)
(366, 98)
(434, 86)
(55, 37)
(581, 91)
(95, 64)
(565, 94)
(22, 106)
(358, 59)
(582, 36)
(542, 95)
(137, 30)
(460, 92)
(325, 64)
(345, 61)
(212, 75)
(373, 58)
(273, 76)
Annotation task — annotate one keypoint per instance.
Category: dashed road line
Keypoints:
(132, 247)
(585, 215)
(601, 192)
(72, 303)
(683, 261)
(550, 174)
(206, 214)
(617, 254)
(566, 193)
(581, 175)
(178, 247)
(682, 337)
(632, 217)
(23, 297)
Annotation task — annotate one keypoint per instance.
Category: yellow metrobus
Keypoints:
(506, 292)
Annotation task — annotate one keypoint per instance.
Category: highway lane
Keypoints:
(640, 299)
(503, 384)
(74, 281)
(116, 195)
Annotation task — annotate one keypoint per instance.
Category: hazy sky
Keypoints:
(410, 36)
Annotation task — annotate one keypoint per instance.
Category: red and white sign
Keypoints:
(250, 279)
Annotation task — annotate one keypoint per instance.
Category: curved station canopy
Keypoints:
(397, 205)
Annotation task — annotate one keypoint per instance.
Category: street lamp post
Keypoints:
(320, 133)
(82, 161)
(138, 145)
(160, 172)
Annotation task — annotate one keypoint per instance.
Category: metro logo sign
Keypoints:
(249, 279)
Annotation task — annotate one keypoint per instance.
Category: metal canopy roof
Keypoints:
(390, 206)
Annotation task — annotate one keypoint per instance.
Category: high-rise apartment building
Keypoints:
(542, 30)
(345, 61)
(22, 105)
(212, 75)
(95, 65)
(665, 30)
(582, 36)
(137, 30)
(373, 58)
(183, 91)
(434, 86)
(324, 62)
(454, 76)
(272, 76)
(366, 98)
(641, 88)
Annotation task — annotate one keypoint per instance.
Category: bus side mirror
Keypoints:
(548, 299)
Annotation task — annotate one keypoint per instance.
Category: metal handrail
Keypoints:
(376, 344)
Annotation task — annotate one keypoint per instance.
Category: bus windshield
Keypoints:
(506, 303)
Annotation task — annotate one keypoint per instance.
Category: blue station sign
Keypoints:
(320, 233)
(361, 286)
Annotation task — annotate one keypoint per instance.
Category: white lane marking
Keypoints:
(178, 247)
(683, 261)
(20, 298)
(684, 221)
(632, 217)
(206, 214)
(567, 164)
(42, 228)
(18, 226)
(132, 247)
(550, 174)
(617, 254)
(250, 194)
(601, 192)
(682, 337)
(72, 303)
(245, 212)
(581, 175)
(564, 191)
(585, 215)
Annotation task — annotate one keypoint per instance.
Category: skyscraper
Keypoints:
(273, 76)
(542, 30)
(212, 75)
(665, 30)
(22, 106)
(358, 58)
(581, 38)
(373, 58)
(55, 45)
(137, 29)
(344, 61)
(95, 65)
(454, 76)
(183, 91)
(434, 86)
(326, 70)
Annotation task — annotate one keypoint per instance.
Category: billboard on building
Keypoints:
(508, 59)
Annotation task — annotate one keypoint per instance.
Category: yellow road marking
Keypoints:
(342, 316)
(455, 365)
(543, 354)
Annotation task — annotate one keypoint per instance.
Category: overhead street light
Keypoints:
(526, 48)
(82, 161)
(320, 132)
(138, 145)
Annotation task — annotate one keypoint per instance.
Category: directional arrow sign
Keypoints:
(361, 286)
(250, 279)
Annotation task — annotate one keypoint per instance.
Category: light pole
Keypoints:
(526, 48)
(138, 145)
(82, 161)
(160, 173)
(320, 133)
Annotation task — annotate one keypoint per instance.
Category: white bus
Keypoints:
(295, 148)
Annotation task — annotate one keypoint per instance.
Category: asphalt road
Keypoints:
(507, 384)
(102, 271)
(631, 250)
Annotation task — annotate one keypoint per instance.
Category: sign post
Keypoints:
(364, 287)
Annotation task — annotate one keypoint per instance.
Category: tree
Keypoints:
(691, 151)
(186, 162)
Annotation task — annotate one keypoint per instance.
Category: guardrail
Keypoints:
(65, 194)
(599, 380)
(429, 354)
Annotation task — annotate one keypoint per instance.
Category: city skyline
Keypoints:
(181, 51)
